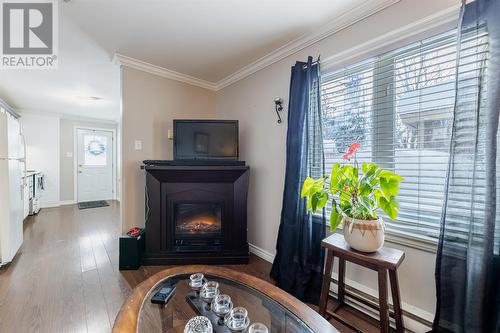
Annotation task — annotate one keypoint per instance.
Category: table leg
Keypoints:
(382, 299)
(341, 284)
(398, 316)
(325, 290)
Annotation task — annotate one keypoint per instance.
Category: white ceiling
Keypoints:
(84, 70)
(207, 39)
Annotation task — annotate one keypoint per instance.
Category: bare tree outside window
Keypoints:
(345, 119)
(423, 78)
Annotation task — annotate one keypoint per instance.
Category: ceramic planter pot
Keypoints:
(364, 235)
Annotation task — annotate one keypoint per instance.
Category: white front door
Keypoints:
(94, 165)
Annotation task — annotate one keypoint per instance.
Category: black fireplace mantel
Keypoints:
(171, 185)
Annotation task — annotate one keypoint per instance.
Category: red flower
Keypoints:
(346, 187)
(354, 147)
(351, 151)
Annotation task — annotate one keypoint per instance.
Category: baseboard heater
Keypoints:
(368, 305)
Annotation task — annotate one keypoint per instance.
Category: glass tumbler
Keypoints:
(221, 306)
(208, 292)
(196, 282)
(258, 328)
(238, 319)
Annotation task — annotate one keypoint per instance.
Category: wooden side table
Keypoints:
(383, 261)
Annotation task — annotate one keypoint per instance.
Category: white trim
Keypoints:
(8, 108)
(418, 242)
(49, 205)
(261, 253)
(66, 116)
(446, 18)
(75, 159)
(67, 202)
(122, 60)
(345, 20)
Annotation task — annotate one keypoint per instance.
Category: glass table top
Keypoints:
(173, 316)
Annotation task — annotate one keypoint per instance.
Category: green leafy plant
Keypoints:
(353, 192)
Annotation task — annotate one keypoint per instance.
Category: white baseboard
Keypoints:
(261, 253)
(49, 205)
(67, 202)
(410, 323)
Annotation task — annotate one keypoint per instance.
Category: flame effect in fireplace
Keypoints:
(199, 224)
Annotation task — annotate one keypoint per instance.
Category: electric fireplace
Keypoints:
(196, 215)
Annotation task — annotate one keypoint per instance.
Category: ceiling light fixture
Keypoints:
(89, 99)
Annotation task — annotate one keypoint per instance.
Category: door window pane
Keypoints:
(95, 147)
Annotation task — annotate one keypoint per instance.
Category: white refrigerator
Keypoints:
(12, 166)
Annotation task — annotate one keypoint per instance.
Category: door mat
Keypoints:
(92, 204)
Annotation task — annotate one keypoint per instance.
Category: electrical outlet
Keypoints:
(138, 145)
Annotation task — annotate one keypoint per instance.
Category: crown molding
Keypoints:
(8, 108)
(65, 116)
(161, 71)
(347, 19)
(354, 15)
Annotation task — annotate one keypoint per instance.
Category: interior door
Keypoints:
(95, 165)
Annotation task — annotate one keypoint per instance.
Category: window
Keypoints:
(95, 150)
(399, 107)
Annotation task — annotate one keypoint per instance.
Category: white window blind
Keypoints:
(399, 107)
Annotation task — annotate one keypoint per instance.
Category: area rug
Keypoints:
(92, 204)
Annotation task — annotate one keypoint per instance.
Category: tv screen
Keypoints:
(205, 139)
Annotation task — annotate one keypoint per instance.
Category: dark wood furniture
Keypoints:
(168, 186)
(265, 303)
(383, 261)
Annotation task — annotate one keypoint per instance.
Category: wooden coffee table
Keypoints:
(278, 310)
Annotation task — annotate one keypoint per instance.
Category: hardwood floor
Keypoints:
(65, 278)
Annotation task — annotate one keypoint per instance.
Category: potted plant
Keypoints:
(356, 196)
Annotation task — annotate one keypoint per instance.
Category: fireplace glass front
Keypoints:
(197, 220)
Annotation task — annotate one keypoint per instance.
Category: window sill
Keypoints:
(422, 243)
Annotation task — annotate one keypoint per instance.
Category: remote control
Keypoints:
(163, 295)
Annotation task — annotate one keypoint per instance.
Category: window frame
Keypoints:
(330, 67)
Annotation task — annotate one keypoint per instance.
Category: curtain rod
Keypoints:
(7, 108)
(312, 63)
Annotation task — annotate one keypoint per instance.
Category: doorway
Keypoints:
(94, 164)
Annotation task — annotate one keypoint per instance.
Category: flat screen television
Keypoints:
(205, 139)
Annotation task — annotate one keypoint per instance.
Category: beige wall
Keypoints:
(149, 104)
(67, 139)
(263, 145)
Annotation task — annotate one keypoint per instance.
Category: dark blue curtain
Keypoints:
(468, 264)
(298, 265)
